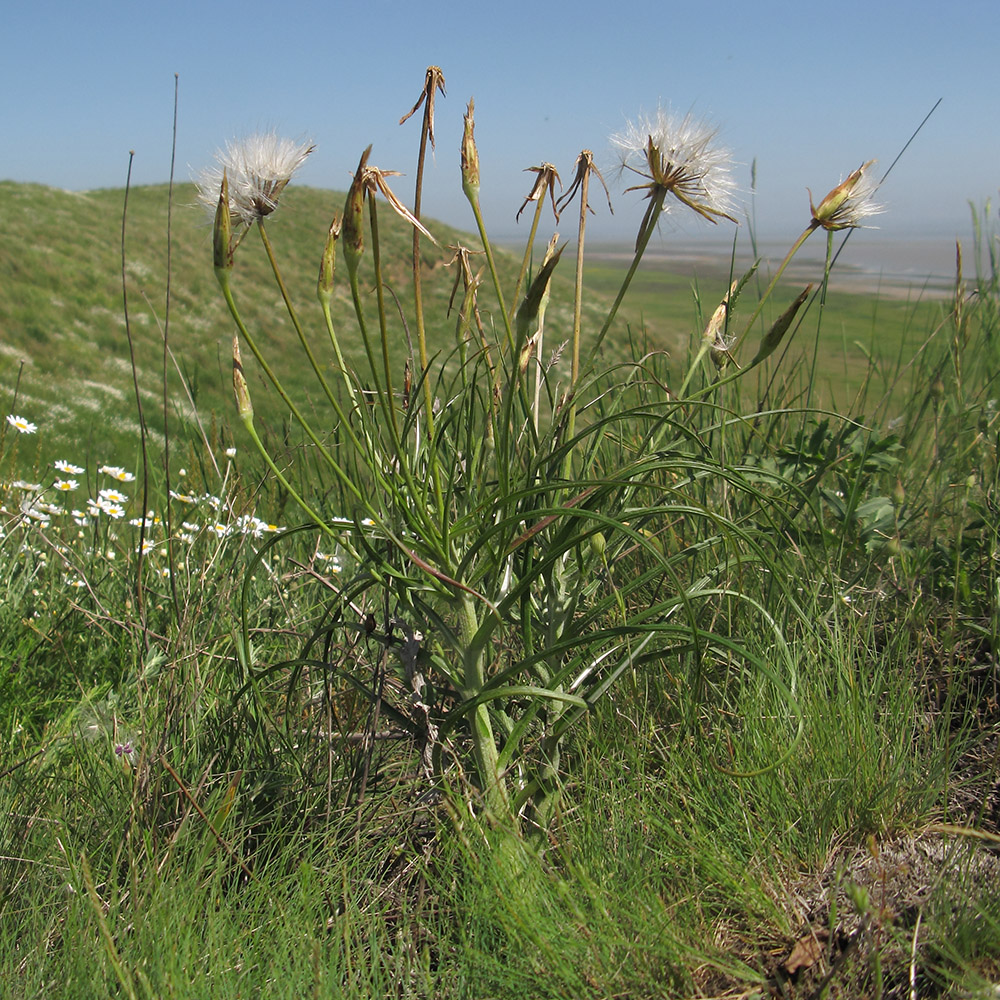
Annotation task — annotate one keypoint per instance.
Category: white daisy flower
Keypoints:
(67, 468)
(117, 472)
(20, 424)
(112, 496)
(65, 485)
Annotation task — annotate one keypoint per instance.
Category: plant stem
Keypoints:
(577, 311)
(418, 295)
(483, 740)
(527, 251)
(642, 241)
(809, 230)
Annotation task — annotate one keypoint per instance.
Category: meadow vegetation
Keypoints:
(512, 640)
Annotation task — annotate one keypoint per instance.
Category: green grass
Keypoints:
(811, 755)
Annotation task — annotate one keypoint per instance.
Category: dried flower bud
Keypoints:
(532, 307)
(222, 234)
(328, 263)
(242, 390)
(354, 215)
(470, 156)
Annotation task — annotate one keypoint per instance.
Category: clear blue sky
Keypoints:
(808, 89)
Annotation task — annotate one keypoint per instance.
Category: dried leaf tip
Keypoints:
(433, 82)
(546, 179)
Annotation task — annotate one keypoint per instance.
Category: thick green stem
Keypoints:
(819, 321)
(483, 741)
(382, 325)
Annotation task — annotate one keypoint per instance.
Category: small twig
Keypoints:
(201, 812)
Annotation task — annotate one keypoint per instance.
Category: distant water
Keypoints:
(869, 262)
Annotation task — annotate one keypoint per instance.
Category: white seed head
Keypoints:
(257, 167)
(680, 155)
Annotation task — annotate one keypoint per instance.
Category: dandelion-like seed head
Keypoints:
(850, 202)
(679, 156)
(257, 168)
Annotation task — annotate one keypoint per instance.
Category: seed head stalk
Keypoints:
(433, 82)
(796, 246)
(382, 323)
(526, 260)
(470, 186)
(324, 292)
(331, 398)
(248, 338)
(653, 212)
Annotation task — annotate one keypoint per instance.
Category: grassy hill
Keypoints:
(65, 353)
(63, 341)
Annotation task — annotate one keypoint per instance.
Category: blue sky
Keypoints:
(809, 90)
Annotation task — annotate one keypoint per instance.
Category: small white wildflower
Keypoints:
(65, 485)
(67, 468)
(112, 509)
(183, 497)
(20, 424)
(257, 169)
(679, 156)
(230, 453)
(117, 472)
(112, 496)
